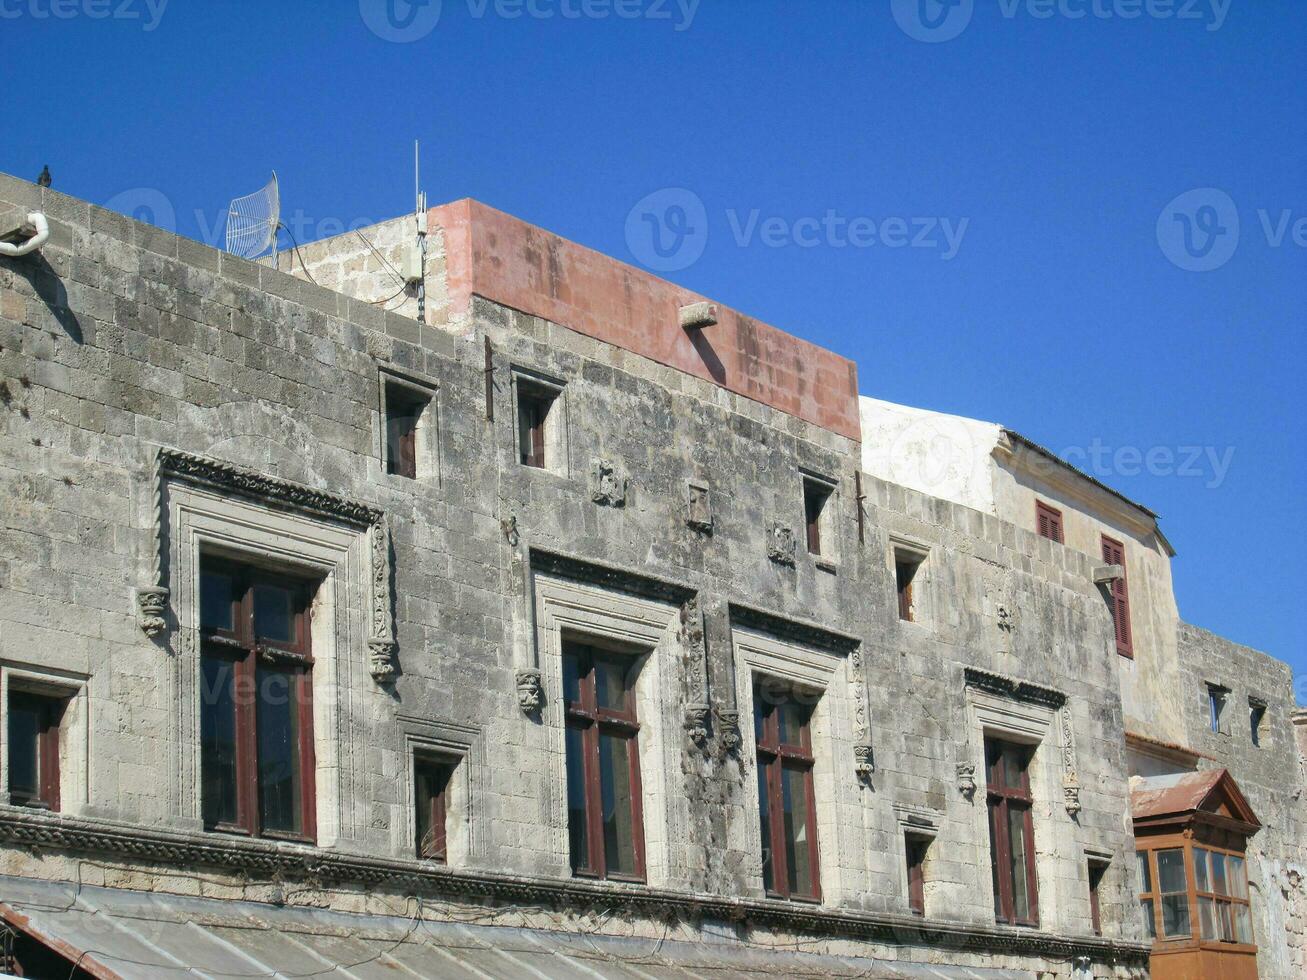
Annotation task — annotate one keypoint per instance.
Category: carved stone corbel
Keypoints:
(966, 772)
(864, 763)
(151, 601)
(382, 649)
(728, 724)
(696, 723)
(607, 484)
(1071, 793)
(781, 544)
(530, 691)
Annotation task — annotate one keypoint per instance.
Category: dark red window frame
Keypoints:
(246, 652)
(404, 407)
(48, 711)
(775, 757)
(1114, 554)
(585, 716)
(1008, 793)
(915, 848)
(431, 778)
(534, 403)
(1048, 520)
(1097, 871)
(815, 497)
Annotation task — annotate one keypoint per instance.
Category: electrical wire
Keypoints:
(295, 247)
(393, 270)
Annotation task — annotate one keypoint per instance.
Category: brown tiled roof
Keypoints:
(1157, 796)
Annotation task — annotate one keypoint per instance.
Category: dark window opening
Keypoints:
(815, 497)
(916, 847)
(1012, 833)
(1048, 521)
(1114, 554)
(786, 799)
(256, 715)
(33, 740)
(1256, 715)
(905, 573)
(431, 777)
(604, 815)
(1216, 701)
(1097, 871)
(405, 406)
(534, 404)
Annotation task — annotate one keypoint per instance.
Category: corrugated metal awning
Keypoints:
(116, 933)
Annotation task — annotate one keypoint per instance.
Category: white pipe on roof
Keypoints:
(37, 220)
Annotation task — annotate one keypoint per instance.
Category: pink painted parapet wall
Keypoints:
(496, 256)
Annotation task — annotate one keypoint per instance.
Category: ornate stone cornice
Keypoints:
(798, 631)
(40, 831)
(609, 577)
(1018, 690)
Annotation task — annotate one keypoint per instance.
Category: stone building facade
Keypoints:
(454, 524)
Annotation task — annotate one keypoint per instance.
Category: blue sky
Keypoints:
(821, 140)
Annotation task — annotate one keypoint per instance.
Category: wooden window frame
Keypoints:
(1187, 843)
(242, 648)
(50, 709)
(591, 720)
(1119, 591)
(1048, 522)
(400, 445)
(915, 848)
(774, 756)
(1002, 800)
(1097, 872)
(535, 401)
(441, 768)
(817, 495)
(1231, 901)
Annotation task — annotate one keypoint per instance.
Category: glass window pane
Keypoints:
(760, 708)
(764, 812)
(1237, 876)
(571, 678)
(995, 818)
(1145, 873)
(216, 601)
(610, 684)
(1175, 916)
(618, 812)
(217, 741)
(1170, 871)
(798, 832)
(1015, 758)
(279, 751)
(1149, 917)
(577, 830)
(274, 614)
(791, 721)
(1243, 924)
(1201, 863)
(1225, 919)
(1219, 883)
(1207, 917)
(1020, 857)
(24, 748)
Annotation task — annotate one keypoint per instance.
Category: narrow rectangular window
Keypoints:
(1114, 554)
(1097, 871)
(915, 848)
(256, 716)
(1216, 701)
(1012, 832)
(1173, 893)
(605, 822)
(535, 403)
(786, 801)
(431, 776)
(816, 495)
(1256, 715)
(1147, 896)
(1048, 522)
(1221, 886)
(33, 740)
(905, 573)
(406, 407)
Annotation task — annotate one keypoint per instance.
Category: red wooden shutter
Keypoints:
(1048, 522)
(1114, 554)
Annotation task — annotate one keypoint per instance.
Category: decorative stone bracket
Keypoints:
(864, 763)
(608, 484)
(530, 690)
(781, 544)
(728, 722)
(699, 508)
(966, 773)
(696, 723)
(226, 478)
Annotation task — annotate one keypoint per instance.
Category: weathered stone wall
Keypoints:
(118, 339)
(1269, 776)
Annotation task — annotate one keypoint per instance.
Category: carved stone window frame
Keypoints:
(651, 630)
(429, 470)
(557, 458)
(467, 824)
(74, 729)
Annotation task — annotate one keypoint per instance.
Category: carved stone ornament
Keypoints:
(699, 509)
(151, 600)
(530, 693)
(1071, 793)
(1006, 619)
(781, 545)
(607, 484)
(696, 723)
(729, 724)
(864, 763)
(381, 659)
(966, 779)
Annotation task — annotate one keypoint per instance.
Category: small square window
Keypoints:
(907, 565)
(1217, 698)
(916, 848)
(407, 408)
(536, 423)
(431, 779)
(816, 500)
(1256, 715)
(33, 741)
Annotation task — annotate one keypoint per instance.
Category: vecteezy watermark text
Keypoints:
(1211, 464)
(1199, 230)
(149, 12)
(935, 21)
(405, 21)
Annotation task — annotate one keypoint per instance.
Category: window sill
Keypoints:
(826, 565)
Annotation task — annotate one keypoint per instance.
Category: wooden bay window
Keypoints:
(786, 801)
(1012, 832)
(256, 717)
(604, 816)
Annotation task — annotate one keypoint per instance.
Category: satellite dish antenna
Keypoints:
(253, 220)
